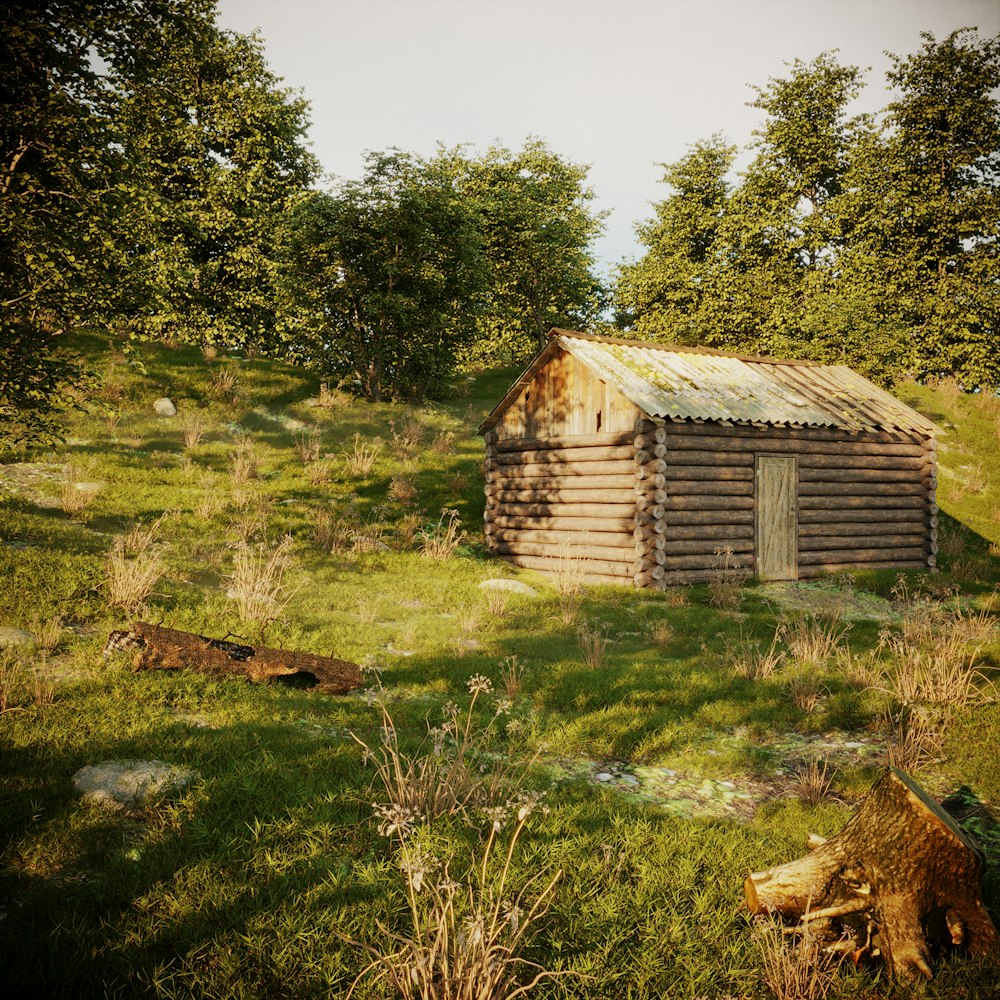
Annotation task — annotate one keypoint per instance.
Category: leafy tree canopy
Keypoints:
(870, 242)
(384, 277)
(143, 155)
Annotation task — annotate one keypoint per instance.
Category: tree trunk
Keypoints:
(901, 875)
(156, 648)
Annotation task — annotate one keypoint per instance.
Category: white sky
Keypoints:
(622, 85)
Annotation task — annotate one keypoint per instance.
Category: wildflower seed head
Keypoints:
(395, 819)
(497, 816)
(479, 684)
(416, 865)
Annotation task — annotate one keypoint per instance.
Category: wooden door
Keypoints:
(777, 518)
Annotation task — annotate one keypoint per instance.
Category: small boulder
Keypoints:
(164, 407)
(514, 586)
(12, 637)
(127, 784)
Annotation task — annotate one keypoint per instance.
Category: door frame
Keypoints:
(757, 512)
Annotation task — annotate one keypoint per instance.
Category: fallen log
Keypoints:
(900, 872)
(156, 648)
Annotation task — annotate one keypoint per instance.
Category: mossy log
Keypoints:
(155, 648)
(900, 874)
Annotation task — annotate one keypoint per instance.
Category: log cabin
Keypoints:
(646, 465)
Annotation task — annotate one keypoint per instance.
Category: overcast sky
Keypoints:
(621, 85)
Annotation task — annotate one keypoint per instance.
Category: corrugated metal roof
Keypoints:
(695, 383)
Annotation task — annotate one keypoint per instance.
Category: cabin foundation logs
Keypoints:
(901, 882)
(673, 502)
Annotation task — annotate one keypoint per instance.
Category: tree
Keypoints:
(139, 146)
(846, 240)
(925, 208)
(538, 227)
(384, 277)
(670, 294)
(216, 148)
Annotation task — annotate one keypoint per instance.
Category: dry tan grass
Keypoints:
(257, 582)
(403, 490)
(319, 473)
(795, 970)
(194, 427)
(308, 444)
(512, 676)
(360, 458)
(407, 437)
(497, 601)
(595, 644)
(332, 531)
(725, 588)
(813, 782)
(331, 398)
(464, 937)
(76, 494)
(440, 540)
(812, 640)
(934, 656)
(49, 633)
(407, 527)
(914, 741)
(571, 568)
(244, 462)
(443, 443)
(806, 689)
(225, 383)
(746, 658)
(133, 567)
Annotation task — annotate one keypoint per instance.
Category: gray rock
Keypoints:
(10, 637)
(514, 586)
(129, 783)
(163, 407)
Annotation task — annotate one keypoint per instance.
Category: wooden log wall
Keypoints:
(863, 500)
(563, 504)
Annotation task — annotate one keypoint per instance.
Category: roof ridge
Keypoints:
(762, 359)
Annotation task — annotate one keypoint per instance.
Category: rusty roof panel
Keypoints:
(695, 385)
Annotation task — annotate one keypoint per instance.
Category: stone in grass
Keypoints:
(127, 784)
(12, 637)
(514, 586)
(164, 407)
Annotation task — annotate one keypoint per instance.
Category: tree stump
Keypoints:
(901, 881)
(156, 648)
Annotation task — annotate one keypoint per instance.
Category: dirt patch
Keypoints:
(829, 600)
(690, 794)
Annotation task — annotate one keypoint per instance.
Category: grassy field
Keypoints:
(606, 764)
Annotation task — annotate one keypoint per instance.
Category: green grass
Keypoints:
(253, 880)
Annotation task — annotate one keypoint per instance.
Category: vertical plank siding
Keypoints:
(578, 479)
